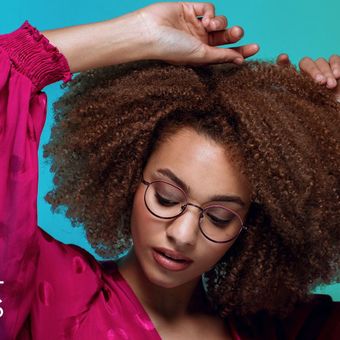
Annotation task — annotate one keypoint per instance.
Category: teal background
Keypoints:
(299, 28)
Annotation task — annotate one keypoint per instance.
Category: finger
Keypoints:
(216, 55)
(205, 9)
(228, 36)
(326, 70)
(309, 67)
(283, 60)
(217, 23)
(334, 61)
(247, 50)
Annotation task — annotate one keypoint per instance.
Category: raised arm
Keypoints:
(27, 64)
(179, 33)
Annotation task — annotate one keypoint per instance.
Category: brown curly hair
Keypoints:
(286, 131)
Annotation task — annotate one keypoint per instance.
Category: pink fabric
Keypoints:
(50, 290)
(57, 291)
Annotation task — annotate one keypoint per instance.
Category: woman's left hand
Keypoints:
(325, 72)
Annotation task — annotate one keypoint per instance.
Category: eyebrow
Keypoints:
(221, 198)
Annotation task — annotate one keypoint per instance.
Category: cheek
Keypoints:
(138, 213)
(140, 218)
(211, 255)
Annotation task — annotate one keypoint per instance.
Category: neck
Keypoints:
(167, 303)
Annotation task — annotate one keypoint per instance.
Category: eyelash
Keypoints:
(166, 202)
(218, 221)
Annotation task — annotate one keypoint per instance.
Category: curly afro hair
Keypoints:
(285, 129)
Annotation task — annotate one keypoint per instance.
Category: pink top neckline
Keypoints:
(129, 291)
(119, 278)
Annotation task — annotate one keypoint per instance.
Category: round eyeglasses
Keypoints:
(216, 222)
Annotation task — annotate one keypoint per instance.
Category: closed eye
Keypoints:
(218, 221)
(164, 201)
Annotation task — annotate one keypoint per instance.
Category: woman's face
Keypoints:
(205, 169)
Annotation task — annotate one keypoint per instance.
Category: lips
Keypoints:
(170, 260)
(174, 255)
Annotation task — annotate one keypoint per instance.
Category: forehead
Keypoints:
(200, 162)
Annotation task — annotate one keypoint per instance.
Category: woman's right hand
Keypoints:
(325, 72)
(190, 33)
(176, 32)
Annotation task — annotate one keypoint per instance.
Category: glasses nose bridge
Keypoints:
(194, 205)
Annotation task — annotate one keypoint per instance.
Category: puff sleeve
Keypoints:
(28, 62)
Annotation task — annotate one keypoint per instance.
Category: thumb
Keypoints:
(216, 55)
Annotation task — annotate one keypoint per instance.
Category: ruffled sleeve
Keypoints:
(32, 55)
(28, 62)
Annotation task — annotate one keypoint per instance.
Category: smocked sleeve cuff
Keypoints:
(33, 55)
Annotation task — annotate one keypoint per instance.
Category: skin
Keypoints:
(171, 32)
(324, 72)
(207, 169)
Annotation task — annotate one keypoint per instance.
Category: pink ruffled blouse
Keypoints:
(49, 290)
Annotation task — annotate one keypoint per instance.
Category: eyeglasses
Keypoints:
(216, 222)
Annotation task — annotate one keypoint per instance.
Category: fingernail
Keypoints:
(320, 78)
(237, 31)
(331, 82)
(337, 98)
(238, 61)
(255, 46)
(205, 20)
(336, 72)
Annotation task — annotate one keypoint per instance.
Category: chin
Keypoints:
(160, 279)
(163, 284)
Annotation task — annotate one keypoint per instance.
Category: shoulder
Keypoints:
(59, 262)
(318, 318)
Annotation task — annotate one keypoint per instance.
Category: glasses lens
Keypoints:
(164, 200)
(220, 224)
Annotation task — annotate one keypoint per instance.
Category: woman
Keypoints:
(187, 131)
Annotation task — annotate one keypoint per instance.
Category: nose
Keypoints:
(184, 229)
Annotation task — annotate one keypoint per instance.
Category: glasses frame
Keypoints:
(184, 207)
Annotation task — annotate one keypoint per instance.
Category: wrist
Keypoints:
(130, 38)
(119, 40)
